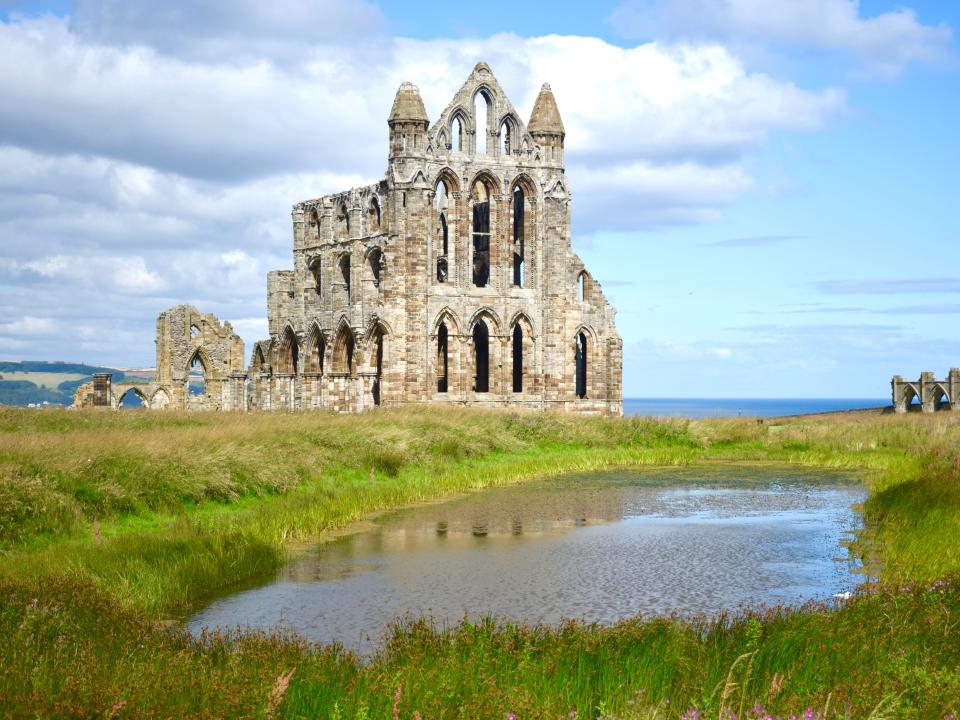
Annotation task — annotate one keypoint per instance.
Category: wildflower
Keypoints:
(511, 715)
(573, 713)
(396, 702)
(276, 694)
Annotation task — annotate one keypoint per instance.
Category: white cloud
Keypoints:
(28, 325)
(139, 169)
(215, 31)
(885, 43)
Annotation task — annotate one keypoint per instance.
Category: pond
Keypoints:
(597, 547)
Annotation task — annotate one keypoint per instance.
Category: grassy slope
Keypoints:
(188, 504)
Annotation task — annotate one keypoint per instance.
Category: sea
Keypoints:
(745, 407)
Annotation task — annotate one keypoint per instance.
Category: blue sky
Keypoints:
(766, 190)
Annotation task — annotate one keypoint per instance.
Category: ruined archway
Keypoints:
(133, 399)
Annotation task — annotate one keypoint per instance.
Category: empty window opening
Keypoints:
(941, 401)
(481, 235)
(517, 359)
(345, 273)
(443, 358)
(457, 133)
(196, 376)
(315, 222)
(316, 274)
(581, 353)
(343, 223)
(378, 367)
(505, 138)
(376, 266)
(441, 199)
(582, 287)
(518, 241)
(194, 331)
(481, 357)
(481, 108)
(132, 400)
(374, 216)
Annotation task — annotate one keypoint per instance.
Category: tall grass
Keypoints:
(187, 505)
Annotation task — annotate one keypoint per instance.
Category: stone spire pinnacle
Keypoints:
(545, 118)
(408, 105)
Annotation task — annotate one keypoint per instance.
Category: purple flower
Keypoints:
(511, 715)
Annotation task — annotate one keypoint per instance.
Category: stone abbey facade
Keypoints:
(451, 280)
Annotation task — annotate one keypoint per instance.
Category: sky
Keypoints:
(767, 190)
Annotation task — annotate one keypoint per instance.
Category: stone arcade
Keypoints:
(452, 280)
(931, 394)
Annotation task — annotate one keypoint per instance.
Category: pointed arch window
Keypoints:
(481, 235)
(518, 236)
(481, 114)
(517, 358)
(377, 265)
(289, 359)
(457, 132)
(196, 375)
(374, 216)
(343, 223)
(345, 272)
(581, 360)
(443, 358)
(377, 388)
(481, 357)
(315, 357)
(505, 139)
(343, 352)
(315, 271)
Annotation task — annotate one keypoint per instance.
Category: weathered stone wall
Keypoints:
(930, 393)
(376, 293)
(185, 337)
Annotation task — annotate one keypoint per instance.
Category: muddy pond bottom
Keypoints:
(597, 547)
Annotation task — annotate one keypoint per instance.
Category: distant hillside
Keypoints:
(33, 381)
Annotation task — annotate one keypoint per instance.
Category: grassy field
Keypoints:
(110, 523)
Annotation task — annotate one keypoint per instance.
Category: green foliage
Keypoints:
(109, 520)
(70, 649)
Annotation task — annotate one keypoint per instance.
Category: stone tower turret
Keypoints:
(546, 127)
(408, 124)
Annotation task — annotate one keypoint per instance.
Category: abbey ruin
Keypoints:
(451, 280)
(930, 394)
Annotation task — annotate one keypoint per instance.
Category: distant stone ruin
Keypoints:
(931, 394)
(199, 367)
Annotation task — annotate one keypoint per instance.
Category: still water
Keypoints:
(599, 547)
